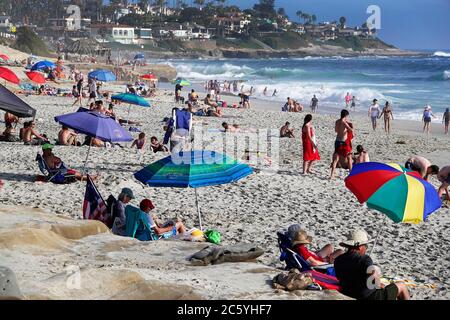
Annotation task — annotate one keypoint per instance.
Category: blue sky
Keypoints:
(407, 24)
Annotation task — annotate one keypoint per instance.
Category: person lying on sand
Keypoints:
(444, 177)
(324, 256)
(286, 132)
(55, 163)
(214, 112)
(67, 137)
(361, 155)
(230, 128)
(421, 165)
(93, 142)
(30, 136)
(166, 230)
(357, 275)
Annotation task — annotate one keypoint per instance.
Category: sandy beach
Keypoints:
(250, 211)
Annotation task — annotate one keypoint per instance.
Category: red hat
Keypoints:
(146, 204)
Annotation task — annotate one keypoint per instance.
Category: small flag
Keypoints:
(94, 207)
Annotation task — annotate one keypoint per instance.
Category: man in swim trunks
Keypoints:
(422, 166)
(342, 129)
(286, 132)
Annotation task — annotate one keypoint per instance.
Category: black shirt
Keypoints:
(352, 272)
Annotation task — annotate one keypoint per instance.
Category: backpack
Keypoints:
(212, 236)
(109, 218)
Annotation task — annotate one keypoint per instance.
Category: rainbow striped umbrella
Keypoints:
(193, 169)
(400, 193)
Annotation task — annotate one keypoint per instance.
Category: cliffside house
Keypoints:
(114, 33)
(5, 21)
(233, 23)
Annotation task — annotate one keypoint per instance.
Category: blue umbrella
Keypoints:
(131, 98)
(96, 125)
(43, 65)
(193, 169)
(102, 75)
(139, 56)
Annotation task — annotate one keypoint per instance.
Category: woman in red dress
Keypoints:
(310, 151)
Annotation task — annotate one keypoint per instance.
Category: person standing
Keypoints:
(310, 150)
(314, 104)
(374, 112)
(388, 116)
(348, 99)
(92, 87)
(353, 106)
(446, 120)
(426, 118)
(342, 146)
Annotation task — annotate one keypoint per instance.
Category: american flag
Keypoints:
(94, 207)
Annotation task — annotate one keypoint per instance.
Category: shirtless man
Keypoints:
(361, 155)
(444, 177)
(28, 133)
(341, 128)
(209, 102)
(286, 132)
(10, 119)
(233, 128)
(67, 137)
(53, 162)
(421, 165)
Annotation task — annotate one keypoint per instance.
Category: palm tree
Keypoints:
(200, 3)
(342, 21)
(299, 14)
(314, 18)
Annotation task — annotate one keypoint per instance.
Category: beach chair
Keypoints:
(294, 260)
(134, 218)
(58, 176)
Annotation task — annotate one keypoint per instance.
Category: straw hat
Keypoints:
(301, 237)
(356, 238)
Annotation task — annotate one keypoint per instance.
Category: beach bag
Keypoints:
(212, 236)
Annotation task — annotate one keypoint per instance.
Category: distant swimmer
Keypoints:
(265, 91)
(274, 93)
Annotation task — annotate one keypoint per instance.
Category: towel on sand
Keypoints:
(235, 253)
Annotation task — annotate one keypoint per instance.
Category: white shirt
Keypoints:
(374, 110)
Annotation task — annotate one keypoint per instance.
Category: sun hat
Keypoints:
(47, 146)
(128, 192)
(356, 238)
(301, 237)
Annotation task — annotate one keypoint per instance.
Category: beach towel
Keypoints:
(240, 252)
(183, 120)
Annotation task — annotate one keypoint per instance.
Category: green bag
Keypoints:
(213, 236)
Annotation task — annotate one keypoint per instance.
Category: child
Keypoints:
(157, 146)
(140, 142)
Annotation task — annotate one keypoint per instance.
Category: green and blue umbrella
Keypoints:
(193, 169)
(182, 82)
(131, 98)
(399, 193)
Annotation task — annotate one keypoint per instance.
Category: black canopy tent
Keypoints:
(11, 103)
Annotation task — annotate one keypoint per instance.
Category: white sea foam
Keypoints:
(446, 75)
(442, 54)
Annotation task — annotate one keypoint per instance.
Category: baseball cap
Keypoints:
(128, 192)
(47, 146)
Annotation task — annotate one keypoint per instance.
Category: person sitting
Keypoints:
(9, 134)
(99, 107)
(286, 132)
(421, 165)
(233, 128)
(11, 119)
(324, 256)
(355, 271)
(214, 112)
(193, 96)
(93, 142)
(30, 136)
(245, 100)
(361, 155)
(118, 211)
(140, 142)
(55, 163)
(165, 230)
(444, 177)
(157, 146)
(67, 137)
(209, 102)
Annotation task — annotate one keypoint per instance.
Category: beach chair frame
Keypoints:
(49, 173)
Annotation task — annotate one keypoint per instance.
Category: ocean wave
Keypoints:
(442, 54)
(446, 75)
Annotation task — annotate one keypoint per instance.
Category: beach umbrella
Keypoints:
(149, 76)
(102, 75)
(399, 193)
(131, 99)
(181, 82)
(44, 64)
(95, 124)
(139, 56)
(4, 57)
(8, 75)
(36, 77)
(193, 169)
(11, 103)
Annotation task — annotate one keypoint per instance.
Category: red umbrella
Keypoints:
(35, 77)
(8, 75)
(4, 57)
(149, 76)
